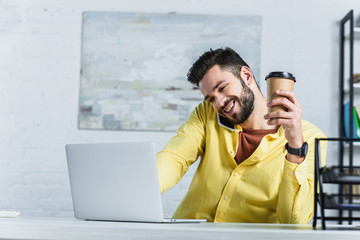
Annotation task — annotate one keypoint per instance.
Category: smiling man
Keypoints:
(244, 174)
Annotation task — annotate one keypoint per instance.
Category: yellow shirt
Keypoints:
(265, 188)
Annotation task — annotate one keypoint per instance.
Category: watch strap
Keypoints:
(297, 151)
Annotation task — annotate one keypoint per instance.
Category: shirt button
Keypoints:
(232, 152)
(235, 174)
(291, 173)
(226, 198)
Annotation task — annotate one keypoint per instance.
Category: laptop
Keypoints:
(116, 182)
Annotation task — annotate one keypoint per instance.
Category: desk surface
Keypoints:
(51, 228)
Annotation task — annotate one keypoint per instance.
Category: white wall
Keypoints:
(39, 83)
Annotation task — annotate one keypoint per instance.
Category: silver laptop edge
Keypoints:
(116, 182)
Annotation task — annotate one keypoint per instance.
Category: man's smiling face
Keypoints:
(229, 96)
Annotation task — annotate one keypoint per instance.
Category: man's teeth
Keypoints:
(229, 108)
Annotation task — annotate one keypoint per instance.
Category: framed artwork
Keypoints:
(134, 65)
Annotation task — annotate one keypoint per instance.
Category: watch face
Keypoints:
(305, 149)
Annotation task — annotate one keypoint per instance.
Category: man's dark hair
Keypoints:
(225, 58)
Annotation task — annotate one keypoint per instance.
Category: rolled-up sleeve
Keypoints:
(182, 150)
(296, 193)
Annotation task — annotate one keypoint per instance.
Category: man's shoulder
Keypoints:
(204, 105)
(310, 129)
(204, 108)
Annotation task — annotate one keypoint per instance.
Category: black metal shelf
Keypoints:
(331, 201)
(337, 218)
(341, 175)
(345, 175)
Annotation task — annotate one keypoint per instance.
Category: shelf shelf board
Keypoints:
(340, 218)
(344, 206)
(355, 144)
(357, 85)
(339, 175)
(356, 88)
(344, 180)
(357, 32)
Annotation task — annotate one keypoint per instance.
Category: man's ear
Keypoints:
(247, 75)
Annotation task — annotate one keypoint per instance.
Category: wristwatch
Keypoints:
(297, 151)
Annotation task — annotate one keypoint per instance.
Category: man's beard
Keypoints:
(246, 104)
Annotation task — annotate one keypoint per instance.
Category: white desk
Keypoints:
(48, 228)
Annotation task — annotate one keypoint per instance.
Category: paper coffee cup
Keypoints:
(278, 81)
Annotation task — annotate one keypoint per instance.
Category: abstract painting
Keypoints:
(134, 65)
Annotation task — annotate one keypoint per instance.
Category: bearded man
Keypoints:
(255, 166)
